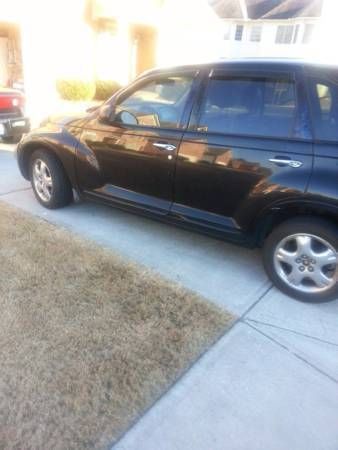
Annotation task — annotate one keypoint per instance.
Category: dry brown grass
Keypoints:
(87, 342)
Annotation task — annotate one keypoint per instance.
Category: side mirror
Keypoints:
(106, 113)
(128, 118)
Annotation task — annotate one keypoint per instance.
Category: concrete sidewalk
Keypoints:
(269, 383)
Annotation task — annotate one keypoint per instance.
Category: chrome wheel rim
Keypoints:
(42, 179)
(306, 263)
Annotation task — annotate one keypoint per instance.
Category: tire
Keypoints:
(300, 257)
(52, 187)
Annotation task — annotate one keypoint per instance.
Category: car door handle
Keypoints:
(165, 146)
(286, 162)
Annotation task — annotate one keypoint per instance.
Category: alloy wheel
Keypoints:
(306, 262)
(42, 179)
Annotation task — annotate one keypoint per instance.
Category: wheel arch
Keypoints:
(66, 159)
(277, 214)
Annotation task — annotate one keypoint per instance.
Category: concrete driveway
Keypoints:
(269, 383)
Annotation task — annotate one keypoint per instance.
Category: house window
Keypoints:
(284, 34)
(227, 32)
(256, 33)
(295, 34)
(308, 33)
(239, 32)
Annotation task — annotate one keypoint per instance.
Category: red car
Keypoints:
(13, 123)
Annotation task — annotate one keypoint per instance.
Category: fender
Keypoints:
(58, 140)
(282, 209)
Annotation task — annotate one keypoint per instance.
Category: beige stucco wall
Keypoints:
(146, 12)
(58, 43)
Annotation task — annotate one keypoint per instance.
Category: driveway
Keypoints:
(269, 383)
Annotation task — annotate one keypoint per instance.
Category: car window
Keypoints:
(158, 103)
(324, 105)
(249, 106)
(325, 98)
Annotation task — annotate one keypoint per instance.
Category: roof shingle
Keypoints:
(227, 9)
(267, 9)
(295, 8)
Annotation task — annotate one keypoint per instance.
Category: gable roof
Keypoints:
(227, 9)
(267, 9)
(295, 8)
(259, 8)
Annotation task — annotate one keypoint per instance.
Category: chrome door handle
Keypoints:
(164, 146)
(286, 162)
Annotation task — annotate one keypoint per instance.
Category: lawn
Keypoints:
(88, 341)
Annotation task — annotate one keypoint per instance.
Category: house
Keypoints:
(45, 40)
(281, 28)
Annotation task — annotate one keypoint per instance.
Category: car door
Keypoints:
(323, 95)
(247, 145)
(133, 157)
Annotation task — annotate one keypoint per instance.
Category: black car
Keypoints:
(243, 150)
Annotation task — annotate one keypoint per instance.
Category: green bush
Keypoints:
(105, 89)
(76, 89)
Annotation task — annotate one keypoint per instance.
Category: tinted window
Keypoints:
(324, 104)
(254, 106)
(159, 103)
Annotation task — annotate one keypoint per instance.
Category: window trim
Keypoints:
(247, 73)
(143, 80)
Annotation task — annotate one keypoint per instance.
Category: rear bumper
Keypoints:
(12, 127)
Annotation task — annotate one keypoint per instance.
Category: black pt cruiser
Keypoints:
(243, 150)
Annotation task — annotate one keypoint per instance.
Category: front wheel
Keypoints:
(49, 181)
(301, 258)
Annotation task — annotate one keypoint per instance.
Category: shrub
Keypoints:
(105, 89)
(76, 89)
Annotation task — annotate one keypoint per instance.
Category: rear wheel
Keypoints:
(49, 181)
(300, 257)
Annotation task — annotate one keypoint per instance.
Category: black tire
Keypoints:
(61, 191)
(320, 228)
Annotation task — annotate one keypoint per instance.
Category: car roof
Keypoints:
(250, 63)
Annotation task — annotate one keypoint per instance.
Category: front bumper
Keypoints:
(12, 127)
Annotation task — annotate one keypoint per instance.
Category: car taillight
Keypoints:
(18, 101)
